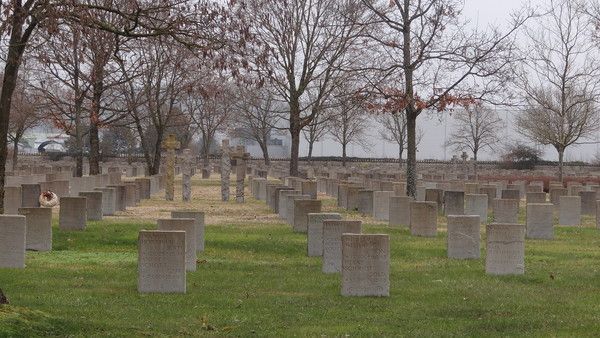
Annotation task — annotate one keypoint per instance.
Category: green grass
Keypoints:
(255, 280)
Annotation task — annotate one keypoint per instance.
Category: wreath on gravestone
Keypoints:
(48, 199)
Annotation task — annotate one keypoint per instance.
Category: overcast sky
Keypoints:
(482, 13)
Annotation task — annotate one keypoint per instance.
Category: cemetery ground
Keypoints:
(254, 278)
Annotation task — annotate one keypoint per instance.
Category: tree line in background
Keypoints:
(121, 75)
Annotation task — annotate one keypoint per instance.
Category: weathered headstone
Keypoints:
(506, 211)
(476, 204)
(12, 200)
(423, 219)
(39, 228)
(198, 217)
(539, 221)
(12, 241)
(291, 203)
(315, 232)
(72, 214)
(454, 203)
(189, 226)
(535, 197)
(381, 205)
(365, 265)
(119, 196)
(505, 253)
(437, 196)
(332, 242)
(302, 208)
(225, 170)
(569, 211)
(588, 202)
(400, 210)
(30, 195)
(170, 144)
(93, 204)
(161, 261)
(109, 201)
(463, 236)
(365, 202)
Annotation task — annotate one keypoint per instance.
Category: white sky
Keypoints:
(482, 13)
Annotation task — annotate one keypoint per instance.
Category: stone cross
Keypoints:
(225, 170)
(170, 144)
(186, 189)
(239, 158)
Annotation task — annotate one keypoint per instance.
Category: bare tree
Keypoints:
(24, 116)
(438, 59)
(302, 44)
(477, 128)
(349, 122)
(316, 130)
(208, 104)
(256, 115)
(395, 131)
(559, 79)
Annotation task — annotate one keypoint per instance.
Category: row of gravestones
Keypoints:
(31, 228)
(25, 195)
(361, 259)
(465, 212)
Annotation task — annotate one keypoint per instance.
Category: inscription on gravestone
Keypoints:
(161, 262)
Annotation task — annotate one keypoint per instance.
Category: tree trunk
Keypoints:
(311, 144)
(155, 167)
(561, 154)
(411, 158)
(265, 151)
(475, 164)
(15, 156)
(343, 155)
(94, 150)
(16, 47)
(400, 152)
(295, 133)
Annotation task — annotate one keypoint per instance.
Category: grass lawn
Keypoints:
(254, 279)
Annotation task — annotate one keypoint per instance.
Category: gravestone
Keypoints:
(352, 200)
(12, 241)
(569, 211)
(309, 188)
(283, 195)
(30, 195)
(315, 232)
(381, 205)
(119, 196)
(225, 170)
(506, 211)
(198, 217)
(187, 225)
(463, 236)
(132, 197)
(332, 242)
(476, 204)
(423, 219)
(187, 173)
(72, 214)
(93, 204)
(170, 144)
(539, 221)
(38, 228)
(535, 197)
(12, 200)
(505, 253)
(513, 194)
(275, 197)
(365, 265)
(437, 196)
(161, 261)
(471, 188)
(365, 202)
(555, 194)
(454, 203)
(588, 202)
(240, 157)
(491, 192)
(143, 187)
(302, 208)
(291, 203)
(109, 201)
(400, 210)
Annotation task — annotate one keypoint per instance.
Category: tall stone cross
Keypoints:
(239, 158)
(187, 173)
(225, 170)
(170, 144)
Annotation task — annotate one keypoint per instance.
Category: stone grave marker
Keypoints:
(332, 242)
(12, 241)
(400, 211)
(506, 211)
(72, 213)
(302, 208)
(187, 225)
(38, 228)
(505, 254)
(539, 221)
(454, 203)
(476, 204)
(423, 219)
(170, 144)
(569, 211)
(198, 217)
(365, 265)
(315, 232)
(162, 262)
(463, 236)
